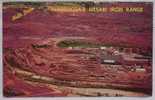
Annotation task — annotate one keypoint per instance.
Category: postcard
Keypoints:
(77, 49)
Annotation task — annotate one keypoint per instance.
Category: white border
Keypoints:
(85, 0)
(79, 98)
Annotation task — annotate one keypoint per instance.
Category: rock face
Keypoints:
(48, 64)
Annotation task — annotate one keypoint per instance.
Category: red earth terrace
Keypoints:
(50, 50)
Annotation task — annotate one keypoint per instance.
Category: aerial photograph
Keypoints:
(77, 49)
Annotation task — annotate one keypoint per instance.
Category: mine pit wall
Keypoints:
(33, 77)
(79, 84)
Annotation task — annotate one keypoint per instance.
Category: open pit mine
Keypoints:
(55, 53)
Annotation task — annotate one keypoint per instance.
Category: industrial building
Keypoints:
(111, 59)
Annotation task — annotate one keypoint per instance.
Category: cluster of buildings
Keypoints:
(129, 58)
